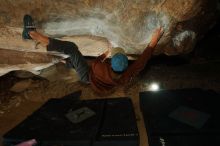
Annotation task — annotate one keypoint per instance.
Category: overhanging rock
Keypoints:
(97, 25)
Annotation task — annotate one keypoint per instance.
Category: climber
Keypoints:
(102, 75)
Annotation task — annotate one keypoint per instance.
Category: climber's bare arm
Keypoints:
(104, 55)
(107, 53)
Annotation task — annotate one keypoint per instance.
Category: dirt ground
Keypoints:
(23, 93)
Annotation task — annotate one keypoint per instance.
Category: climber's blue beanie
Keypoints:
(119, 62)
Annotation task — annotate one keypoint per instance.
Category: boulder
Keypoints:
(97, 25)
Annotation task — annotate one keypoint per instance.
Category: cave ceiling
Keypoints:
(95, 25)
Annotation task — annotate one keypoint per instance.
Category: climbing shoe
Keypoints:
(28, 26)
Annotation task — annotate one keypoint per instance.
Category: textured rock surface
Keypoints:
(125, 23)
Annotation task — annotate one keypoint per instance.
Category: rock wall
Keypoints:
(125, 23)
